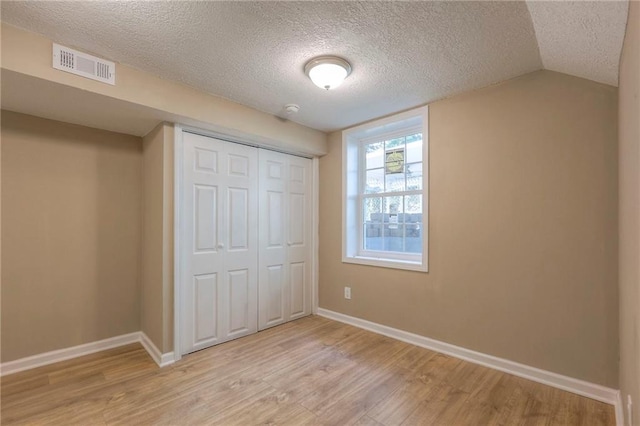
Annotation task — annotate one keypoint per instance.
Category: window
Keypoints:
(385, 216)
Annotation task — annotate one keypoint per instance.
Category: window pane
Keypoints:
(413, 224)
(414, 176)
(373, 209)
(414, 138)
(393, 227)
(375, 155)
(394, 182)
(375, 181)
(413, 204)
(394, 143)
(373, 223)
(393, 204)
(373, 239)
(414, 148)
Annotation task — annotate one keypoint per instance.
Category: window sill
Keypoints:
(386, 263)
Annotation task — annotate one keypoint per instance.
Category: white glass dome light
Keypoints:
(327, 72)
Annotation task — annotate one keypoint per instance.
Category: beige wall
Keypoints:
(157, 243)
(167, 239)
(629, 155)
(151, 285)
(523, 230)
(71, 222)
(29, 55)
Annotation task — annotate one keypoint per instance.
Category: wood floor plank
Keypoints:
(85, 360)
(424, 385)
(354, 405)
(367, 421)
(431, 410)
(309, 371)
(29, 384)
(363, 374)
(197, 407)
(272, 408)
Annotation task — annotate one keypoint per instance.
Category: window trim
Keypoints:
(352, 194)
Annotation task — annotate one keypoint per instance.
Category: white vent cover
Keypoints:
(82, 64)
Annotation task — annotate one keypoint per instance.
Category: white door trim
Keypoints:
(315, 237)
(177, 238)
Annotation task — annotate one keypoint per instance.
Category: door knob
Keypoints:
(220, 246)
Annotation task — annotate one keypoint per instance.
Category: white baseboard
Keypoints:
(580, 387)
(52, 357)
(67, 353)
(161, 359)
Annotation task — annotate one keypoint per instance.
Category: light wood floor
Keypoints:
(311, 371)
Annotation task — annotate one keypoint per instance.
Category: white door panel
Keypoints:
(239, 300)
(301, 250)
(238, 219)
(285, 214)
(272, 303)
(204, 302)
(205, 221)
(220, 212)
(272, 269)
(297, 289)
(274, 223)
(297, 222)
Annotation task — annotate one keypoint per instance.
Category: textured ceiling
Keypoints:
(403, 54)
(581, 38)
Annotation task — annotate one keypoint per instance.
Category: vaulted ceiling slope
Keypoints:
(581, 38)
(403, 54)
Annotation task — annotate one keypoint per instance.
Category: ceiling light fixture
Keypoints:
(327, 72)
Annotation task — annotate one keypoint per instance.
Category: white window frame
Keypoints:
(353, 178)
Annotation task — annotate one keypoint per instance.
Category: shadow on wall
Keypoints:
(117, 239)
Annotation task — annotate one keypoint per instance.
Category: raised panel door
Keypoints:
(220, 236)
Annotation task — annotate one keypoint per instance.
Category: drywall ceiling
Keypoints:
(403, 54)
(581, 38)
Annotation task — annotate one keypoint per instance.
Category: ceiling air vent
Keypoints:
(79, 63)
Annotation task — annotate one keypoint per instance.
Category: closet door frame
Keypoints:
(178, 231)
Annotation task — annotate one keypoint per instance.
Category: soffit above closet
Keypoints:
(403, 54)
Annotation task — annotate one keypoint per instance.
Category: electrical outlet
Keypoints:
(629, 410)
(347, 293)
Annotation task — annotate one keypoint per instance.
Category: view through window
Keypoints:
(392, 195)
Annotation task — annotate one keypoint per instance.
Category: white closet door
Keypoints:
(299, 236)
(285, 238)
(220, 239)
(273, 269)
